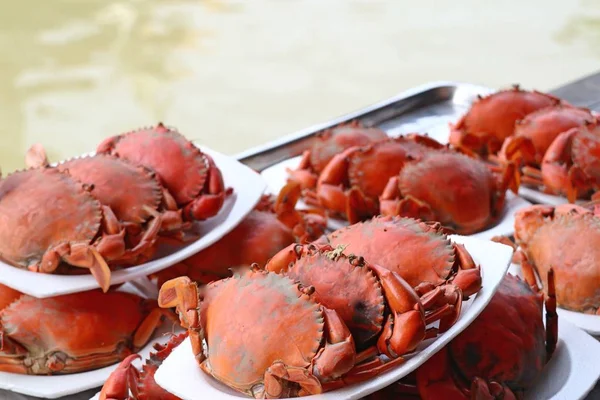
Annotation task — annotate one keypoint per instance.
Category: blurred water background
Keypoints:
(237, 74)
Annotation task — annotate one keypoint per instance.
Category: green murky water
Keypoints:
(236, 74)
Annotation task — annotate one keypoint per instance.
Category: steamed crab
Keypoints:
(127, 383)
(473, 197)
(566, 239)
(535, 133)
(571, 165)
(353, 180)
(50, 223)
(72, 333)
(298, 348)
(501, 353)
(328, 144)
(190, 175)
(271, 226)
(491, 119)
(442, 272)
(376, 304)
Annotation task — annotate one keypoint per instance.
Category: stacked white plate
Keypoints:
(248, 188)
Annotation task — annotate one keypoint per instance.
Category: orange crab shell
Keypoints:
(334, 278)
(190, 175)
(25, 232)
(460, 192)
(541, 127)
(371, 167)
(181, 166)
(73, 333)
(243, 362)
(571, 165)
(566, 239)
(338, 139)
(263, 331)
(399, 244)
(124, 187)
(491, 119)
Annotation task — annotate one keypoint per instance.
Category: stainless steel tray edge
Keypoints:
(265, 155)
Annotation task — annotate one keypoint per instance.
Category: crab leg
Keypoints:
(330, 192)
(65, 364)
(152, 321)
(551, 316)
(303, 174)
(172, 219)
(182, 293)
(392, 203)
(117, 385)
(468, 276)
(304, 225)
(278, 374)
(404, 328)
(112, 245)
(336, 358)
(12, 355)
(480, 389)
(446, 303)
(78, 255)
(519, 149)
(208, 205)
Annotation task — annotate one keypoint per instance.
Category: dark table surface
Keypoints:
(584, 92)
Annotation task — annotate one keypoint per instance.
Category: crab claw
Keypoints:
(117, 386)
(182, 293)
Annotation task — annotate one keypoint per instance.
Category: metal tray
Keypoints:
(424, 109)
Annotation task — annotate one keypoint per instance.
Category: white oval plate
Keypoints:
(588, 322)
(180, 374)
(573, 370)
(248, 187)
(276, 177)
(52, 387)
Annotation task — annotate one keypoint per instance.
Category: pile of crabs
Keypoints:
(283, 306)
(96, 214)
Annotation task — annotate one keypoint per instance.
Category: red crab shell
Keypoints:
(75, 332)
(127, 383)
(566, 239)
(372, 301)
(540, 128)
(418, 252)
(571, 165)
(491, 119)
(448, 187)
(66, 230)
(500, 354)
(441, 272)
(297, 348)
(330, 143)
(371, 167)
(352, 181)
(131, 191)
(190, 175)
